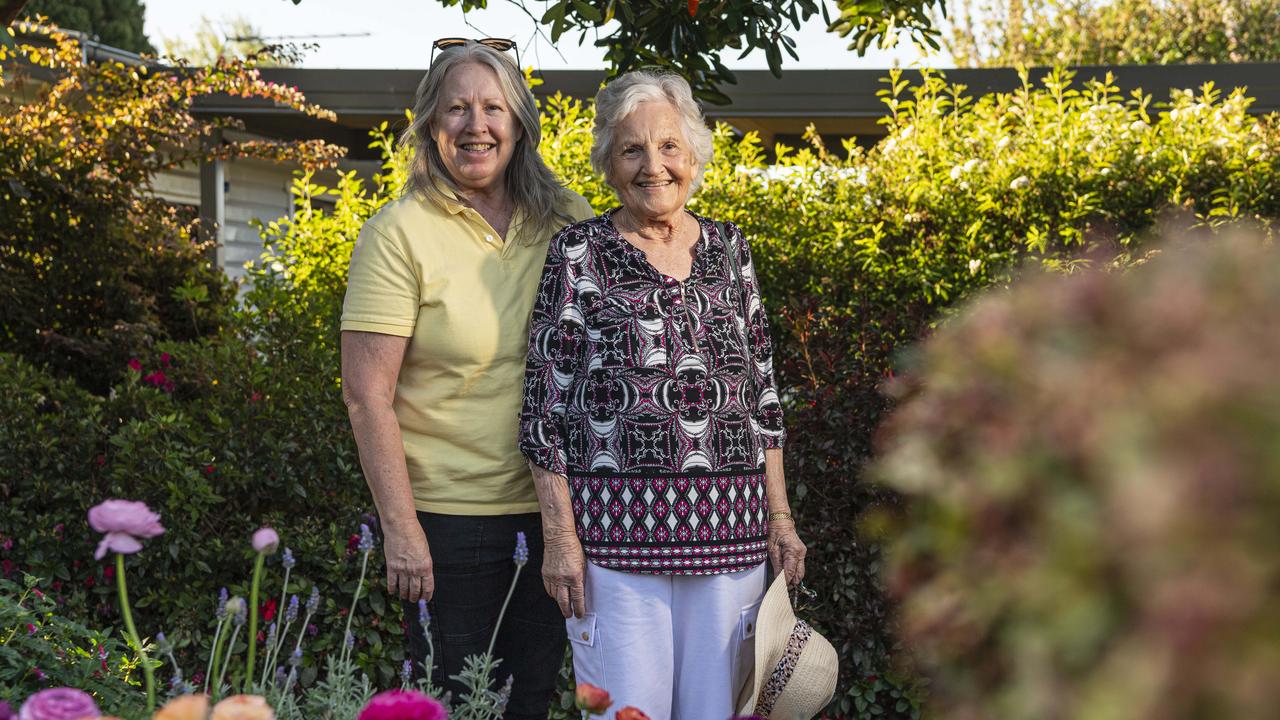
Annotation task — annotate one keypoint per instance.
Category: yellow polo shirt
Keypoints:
(442, 277)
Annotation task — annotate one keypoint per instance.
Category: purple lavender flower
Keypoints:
(350, 640)
(281, 675)
(271, 634)
(287, 559)
(222, 604)
(312, 630)
(291, 610)
(296, 658)
(424, 617)
(521, 555)
(175, 682)
(313, 602)
(366, 539)
(406, 671)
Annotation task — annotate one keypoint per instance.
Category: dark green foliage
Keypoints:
(118, 23)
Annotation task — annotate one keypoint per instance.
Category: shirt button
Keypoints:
(586, 636)
(489, 238)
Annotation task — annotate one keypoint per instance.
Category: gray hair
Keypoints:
(534, 188)
(619, 99)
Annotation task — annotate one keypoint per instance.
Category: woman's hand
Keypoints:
(563, 570)
(786, 551)
(409, 572)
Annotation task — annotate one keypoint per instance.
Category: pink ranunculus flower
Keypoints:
(61, 703)
(243, 707)
(123, 522)
(403, 705)
(265, 540)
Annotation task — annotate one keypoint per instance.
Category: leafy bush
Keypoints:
(1094, 479)
(93, 267)
(36, 642)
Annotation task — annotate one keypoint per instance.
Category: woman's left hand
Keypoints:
(786, 551)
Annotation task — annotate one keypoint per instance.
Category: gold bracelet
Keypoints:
(780, 515)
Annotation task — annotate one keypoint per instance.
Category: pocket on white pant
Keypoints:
(588, 659)
(744, 658)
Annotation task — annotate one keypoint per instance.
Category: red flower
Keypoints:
(31, 629)
(591, 698)
(135, 365)
(269, 610)
(630, 713)
(209, 469)
(255, 397)
(165, 359)
(108, 573)
(89, 581)
(100, 460)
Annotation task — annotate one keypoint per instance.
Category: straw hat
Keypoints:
(795, 668)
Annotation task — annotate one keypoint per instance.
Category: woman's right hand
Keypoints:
(563, 570)
(409, 572)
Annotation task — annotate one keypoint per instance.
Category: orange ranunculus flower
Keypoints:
(591, 698)
(184, 707)
(243, 707)
(630, 713)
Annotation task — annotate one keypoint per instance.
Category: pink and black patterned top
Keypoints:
(655, 398)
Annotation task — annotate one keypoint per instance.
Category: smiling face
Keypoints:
(474, 128)
(651, 164)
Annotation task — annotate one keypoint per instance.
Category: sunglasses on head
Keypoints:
(499, 44)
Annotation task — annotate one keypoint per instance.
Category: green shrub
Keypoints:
(93, 267)
(1094, 475)
(38, 645)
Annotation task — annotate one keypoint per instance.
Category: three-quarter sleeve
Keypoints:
(556, 334)
(766, 414)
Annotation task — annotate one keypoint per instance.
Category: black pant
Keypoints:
(472, 558)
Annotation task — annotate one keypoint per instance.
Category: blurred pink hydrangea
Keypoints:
(124, 522)
(403, 705)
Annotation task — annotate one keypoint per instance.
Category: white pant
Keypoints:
(674, 646)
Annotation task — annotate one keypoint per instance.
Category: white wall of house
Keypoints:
(255, 190)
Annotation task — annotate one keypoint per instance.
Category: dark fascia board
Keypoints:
(363, 97)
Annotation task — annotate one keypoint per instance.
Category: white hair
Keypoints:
(620, 98)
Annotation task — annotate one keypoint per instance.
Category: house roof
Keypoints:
(839, 103)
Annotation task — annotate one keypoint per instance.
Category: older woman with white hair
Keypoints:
(652, 422)
(434, 332)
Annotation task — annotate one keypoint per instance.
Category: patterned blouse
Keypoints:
(655, 398)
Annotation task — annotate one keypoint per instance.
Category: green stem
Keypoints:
(215, 652)
(231, 646)
(346, 649)
(253, 623)
(503, 611)
(147, 672)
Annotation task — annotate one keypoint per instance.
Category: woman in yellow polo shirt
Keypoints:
(434, 337)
